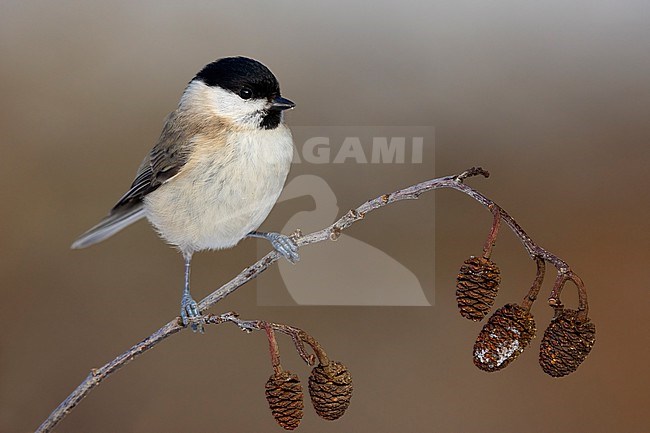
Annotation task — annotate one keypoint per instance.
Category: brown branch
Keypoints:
(562, 278)
(494, 232)
(273, 349)
(97, 375)
(537, 284)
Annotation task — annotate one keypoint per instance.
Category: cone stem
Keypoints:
(299, 337)
(323, 359)
(494, 231)
(555, 301)
(274, 350)
(583, 305)
(537, 284)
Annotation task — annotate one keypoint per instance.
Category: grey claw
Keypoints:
(191, 315)
(286, 246)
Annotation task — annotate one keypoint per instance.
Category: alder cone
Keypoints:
(284, 394)
(503, 337)
(330, 389)
(566, 343)
(477, 285)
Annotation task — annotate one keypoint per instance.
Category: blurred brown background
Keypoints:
(552, 98)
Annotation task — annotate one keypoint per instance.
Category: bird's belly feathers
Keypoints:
(222, 194)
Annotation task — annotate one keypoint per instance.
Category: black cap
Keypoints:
(236, 73)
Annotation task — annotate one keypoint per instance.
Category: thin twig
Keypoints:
(97, 375)
(537, 284)
(273, 349)
(494, 232)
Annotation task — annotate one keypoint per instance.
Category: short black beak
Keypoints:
(280, 103)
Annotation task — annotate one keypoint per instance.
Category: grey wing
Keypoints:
(163, 162)
(113, 223)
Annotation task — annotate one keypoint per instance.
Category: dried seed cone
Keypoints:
(330, 388)
(504, 337)
(567, 342)
(284, 394)
(477, 285)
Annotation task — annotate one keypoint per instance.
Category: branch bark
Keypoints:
(332, 232)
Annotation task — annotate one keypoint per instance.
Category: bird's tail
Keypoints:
(116, 221)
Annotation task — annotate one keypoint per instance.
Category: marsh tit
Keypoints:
(216, 171)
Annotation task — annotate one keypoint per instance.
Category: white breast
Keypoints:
(223, 192)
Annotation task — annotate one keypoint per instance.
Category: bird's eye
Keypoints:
(246, 93)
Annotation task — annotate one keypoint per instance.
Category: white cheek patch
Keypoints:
(224, 103)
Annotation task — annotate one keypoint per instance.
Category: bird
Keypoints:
(215, 172)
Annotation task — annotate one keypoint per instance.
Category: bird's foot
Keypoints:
(284, 245)
(190, 313)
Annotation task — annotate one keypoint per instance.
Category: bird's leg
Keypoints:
(284, 245)
(190, 313)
